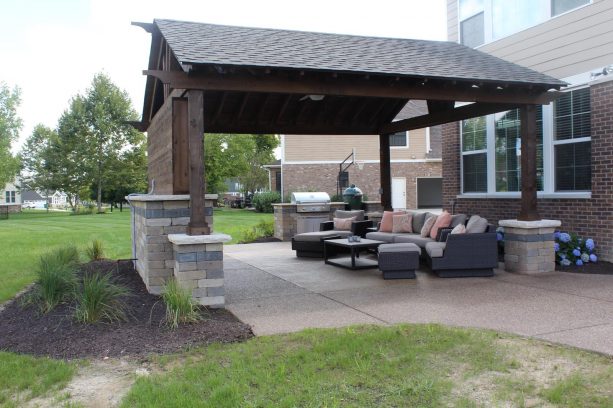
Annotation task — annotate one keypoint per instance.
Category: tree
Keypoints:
(237, 156)
(37, 159)
(95, 133)
(10, 125)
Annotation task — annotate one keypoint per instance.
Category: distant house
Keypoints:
(32, 199)
(11, 193)
(58, 199)
(274, 176)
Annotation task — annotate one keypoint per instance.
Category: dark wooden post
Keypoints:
(195, 116)
(385, 172)
(528, 210)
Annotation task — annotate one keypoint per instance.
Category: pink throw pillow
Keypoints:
(425, 230)
(402, 223)
(343, 224)
(442, 221)
(387, 221)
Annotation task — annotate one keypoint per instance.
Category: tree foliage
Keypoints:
(94, 152)
(10, 125)
(238, 156)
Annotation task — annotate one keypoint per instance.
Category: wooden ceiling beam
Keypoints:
(429, 90)
(442, 117)
(241, 108)
(283, 107)
(290, 128)
(220, 106)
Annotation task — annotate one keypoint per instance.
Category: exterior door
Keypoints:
(430, 192)
(399, 193)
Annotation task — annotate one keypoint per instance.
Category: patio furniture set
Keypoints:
(450, 245)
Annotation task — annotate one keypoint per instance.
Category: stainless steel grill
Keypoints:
(311, 202)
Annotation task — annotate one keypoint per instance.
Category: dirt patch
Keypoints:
(58, 335)
(599, 268)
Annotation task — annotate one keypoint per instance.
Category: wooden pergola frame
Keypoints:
(259, 99)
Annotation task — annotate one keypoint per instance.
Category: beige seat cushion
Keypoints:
(382, 236)
(413, 238)
(406, 247)
(435, 249)
(476, 225)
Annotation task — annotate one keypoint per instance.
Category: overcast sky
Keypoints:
(51, 49)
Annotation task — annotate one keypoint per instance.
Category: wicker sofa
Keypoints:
(311, 244)
(463, 255)
(419, 218)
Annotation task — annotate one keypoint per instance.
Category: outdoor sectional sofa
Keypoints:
(311, 244)
(451, 255)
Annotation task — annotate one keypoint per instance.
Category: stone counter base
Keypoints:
(529, 246)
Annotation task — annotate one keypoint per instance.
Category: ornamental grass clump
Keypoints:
(101, 300)
(571, 249)
(56, 281)
(180, 306)
(95, 252)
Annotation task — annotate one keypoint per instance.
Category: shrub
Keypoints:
(56, 278)
(572, 249)
(101, 300)
(260, 230)
(180, 307)
(95, 251)
(263, 201)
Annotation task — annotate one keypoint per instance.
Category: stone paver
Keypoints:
(275, 292)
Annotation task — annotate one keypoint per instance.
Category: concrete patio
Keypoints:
(275, 292)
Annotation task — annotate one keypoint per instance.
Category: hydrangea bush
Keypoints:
(572, 249)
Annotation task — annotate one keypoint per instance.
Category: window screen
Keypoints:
(398, 139)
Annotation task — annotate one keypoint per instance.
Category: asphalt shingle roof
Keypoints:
(200, 43)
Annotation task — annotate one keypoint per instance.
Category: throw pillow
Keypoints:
(425, 230)
(476, 225)
(387, 221)
(458, 219)
(358, 214)
(442, 221)
(343, 224)
(402, 223)
(458, 229)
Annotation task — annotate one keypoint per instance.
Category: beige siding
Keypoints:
(452, 20)
(570, 44)
(337, 148)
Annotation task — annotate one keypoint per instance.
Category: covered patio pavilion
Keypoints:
(205, 78)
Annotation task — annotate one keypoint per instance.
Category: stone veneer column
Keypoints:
(154, 217)
(198, 266)
(528, 245)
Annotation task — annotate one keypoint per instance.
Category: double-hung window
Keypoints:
(507, 128)
(400, 139)
(474, 155)
(9, 197)
(572, 141)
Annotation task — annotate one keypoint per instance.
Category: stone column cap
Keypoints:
(166, 197)
(184, 239)
(530, 224)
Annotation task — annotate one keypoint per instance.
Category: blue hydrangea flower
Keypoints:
(562, 255)
(593, 258)
(564, 237)
(499, 236)
(579, 262)
(589, 244)
(576, 252)
(556, 235)
(565, 262)
(556, 247)
(585, 257)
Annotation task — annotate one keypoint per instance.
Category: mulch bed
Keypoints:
(58, 335)
(599, 268)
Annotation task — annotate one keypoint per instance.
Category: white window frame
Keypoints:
(481, 151)
(428, 147)
(488, 21)
(406, 146)
(555, 143)
(548, 159)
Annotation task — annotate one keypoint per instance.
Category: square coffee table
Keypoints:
(353, 261)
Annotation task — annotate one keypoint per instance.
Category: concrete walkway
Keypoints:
(270, 289)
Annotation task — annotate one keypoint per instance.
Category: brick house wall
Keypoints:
(322, 177)
(591, 217)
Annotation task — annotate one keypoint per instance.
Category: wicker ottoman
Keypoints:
(399, 261)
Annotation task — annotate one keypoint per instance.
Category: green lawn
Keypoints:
(367, 366)
(23, 378)
(27, 235)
